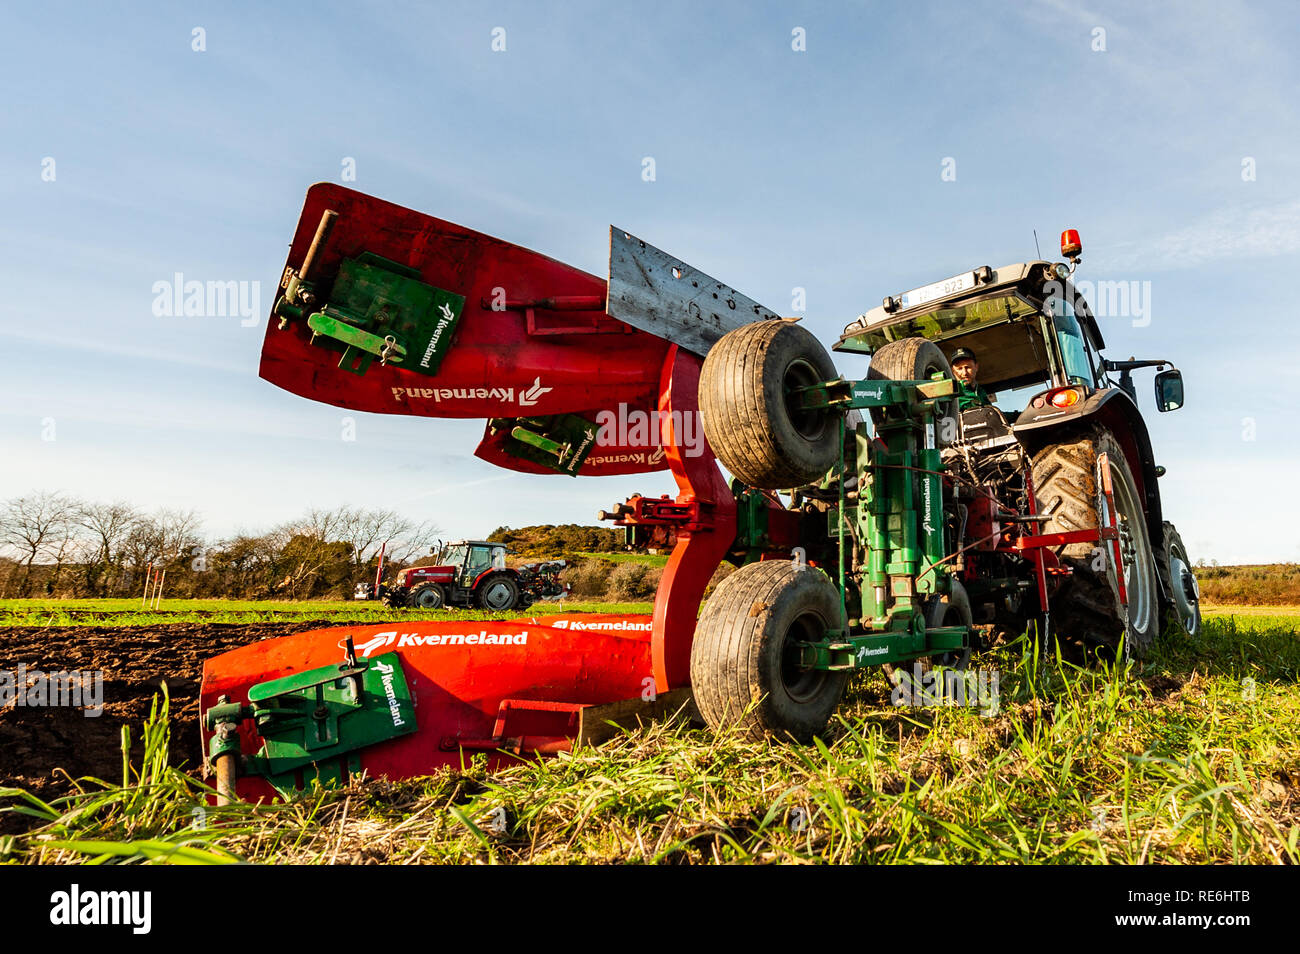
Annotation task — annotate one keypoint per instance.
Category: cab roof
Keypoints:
(1023, 278)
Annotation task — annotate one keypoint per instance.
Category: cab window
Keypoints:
(480, 559)
(1069, 338)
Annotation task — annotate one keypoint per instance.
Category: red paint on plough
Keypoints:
(508, 688)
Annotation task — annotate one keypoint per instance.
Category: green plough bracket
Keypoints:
(315, 717)
(380, 309)
(838, 651)
(561, 441)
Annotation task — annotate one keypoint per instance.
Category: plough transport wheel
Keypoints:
(752, 420)
(745, 660)
(912, 359)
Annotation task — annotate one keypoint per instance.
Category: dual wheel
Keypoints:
(747, 668)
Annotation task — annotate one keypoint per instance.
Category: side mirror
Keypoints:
(1169, 390)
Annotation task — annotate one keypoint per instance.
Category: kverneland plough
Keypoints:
(901, 538)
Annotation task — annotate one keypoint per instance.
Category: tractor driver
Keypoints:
(965, 368)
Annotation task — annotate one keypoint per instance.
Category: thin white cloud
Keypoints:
(1232, 233)
(54, 344)
(447, 488)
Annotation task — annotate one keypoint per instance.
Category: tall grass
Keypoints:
(1191, 756)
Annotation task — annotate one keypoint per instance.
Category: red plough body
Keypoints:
(478, 686)
(533, 339)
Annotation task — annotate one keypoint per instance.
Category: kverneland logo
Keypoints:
(525, 398)
(588, 436)
(386, 674)
(448, 316)
(641, 458)
(530, 396)
(406, 640)
(604, 625)
(928, 505)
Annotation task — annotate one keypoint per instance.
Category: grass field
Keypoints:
(128, 612)
(649, 559)
(1193, 756)
(1272, 584)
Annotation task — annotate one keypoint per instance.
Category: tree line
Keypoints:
(54, 544)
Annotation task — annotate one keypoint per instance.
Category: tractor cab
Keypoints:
(469, 558)
(1027, 324)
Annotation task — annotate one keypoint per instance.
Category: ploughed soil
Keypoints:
(36, 741)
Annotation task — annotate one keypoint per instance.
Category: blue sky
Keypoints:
(775, 169)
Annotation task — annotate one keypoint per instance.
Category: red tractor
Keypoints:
(473, 573)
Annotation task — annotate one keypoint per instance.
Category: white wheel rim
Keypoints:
(1186, 605)
(1133, 544)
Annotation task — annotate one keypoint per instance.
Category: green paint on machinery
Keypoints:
(560, 442)
(896, 515)
(378, 309)
(318, 719)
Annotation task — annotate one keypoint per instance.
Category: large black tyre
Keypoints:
(914, 359)
(498, 592)
(744, 661)
(428, 596)
(1181, 605)
(749, 417)
(1087, 609)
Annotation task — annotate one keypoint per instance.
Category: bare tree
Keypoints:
(413, 543)
(143, 543)
(179, 534)
(38, 526)
(306, 550)
(68, 544)
(368, 530)
(108, 526)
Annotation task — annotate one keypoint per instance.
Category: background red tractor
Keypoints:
(471, 573)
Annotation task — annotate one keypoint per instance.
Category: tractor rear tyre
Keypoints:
(428, 596)
(753, 422)
(1087, 609)
(1181, 606)
(914, 359)
(498, 592)
(745, 661)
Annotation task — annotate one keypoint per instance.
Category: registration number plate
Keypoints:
(943, 289)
